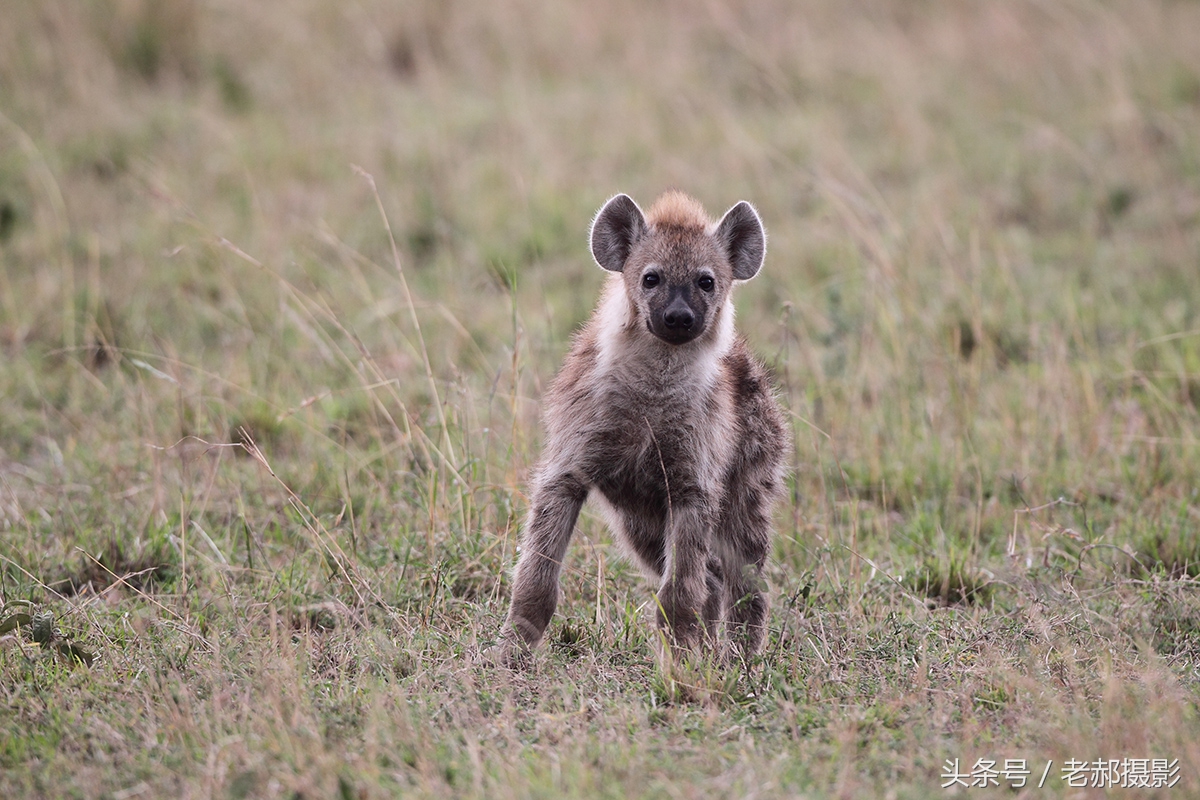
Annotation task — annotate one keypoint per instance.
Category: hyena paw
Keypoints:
(509, 656)
(681, 622)
(514, 650)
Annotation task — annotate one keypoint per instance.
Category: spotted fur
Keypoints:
(661, 414)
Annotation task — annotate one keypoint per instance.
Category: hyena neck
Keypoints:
(629, 353)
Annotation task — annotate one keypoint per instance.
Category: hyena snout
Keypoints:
(679, 315)
(678, 321)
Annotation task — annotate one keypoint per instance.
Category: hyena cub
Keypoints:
(662, 414)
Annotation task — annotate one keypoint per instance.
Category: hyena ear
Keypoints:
(616, 229)
(741, 235)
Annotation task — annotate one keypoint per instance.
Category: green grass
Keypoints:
(271, 473)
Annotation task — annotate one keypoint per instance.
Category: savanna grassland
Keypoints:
(281, 285)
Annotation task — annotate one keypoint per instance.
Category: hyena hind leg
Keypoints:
(714, 604)
(748, 608)
(747, 531)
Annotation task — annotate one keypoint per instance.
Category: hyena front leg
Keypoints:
(684, 605)
(556, 504)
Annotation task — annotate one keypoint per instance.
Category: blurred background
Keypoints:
(983, 219)
(978, 213)
(348, 240)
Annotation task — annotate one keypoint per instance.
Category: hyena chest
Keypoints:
(647, 464)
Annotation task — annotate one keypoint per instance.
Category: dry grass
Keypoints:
(269, 469)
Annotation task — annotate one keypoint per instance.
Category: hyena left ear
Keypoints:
(741, 235)
(617, 228)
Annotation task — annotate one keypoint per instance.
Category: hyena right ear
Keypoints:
(740, 232)
(616, 229)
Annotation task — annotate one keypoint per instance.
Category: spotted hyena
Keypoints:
(662, 415)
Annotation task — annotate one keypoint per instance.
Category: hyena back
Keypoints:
(662, 414)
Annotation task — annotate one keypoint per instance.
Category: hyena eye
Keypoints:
(706, 283)
(650, 280)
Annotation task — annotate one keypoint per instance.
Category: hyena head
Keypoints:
(677, 264)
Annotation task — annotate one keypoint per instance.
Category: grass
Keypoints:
(281, 286)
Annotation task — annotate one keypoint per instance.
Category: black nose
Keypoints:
(679, 316)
